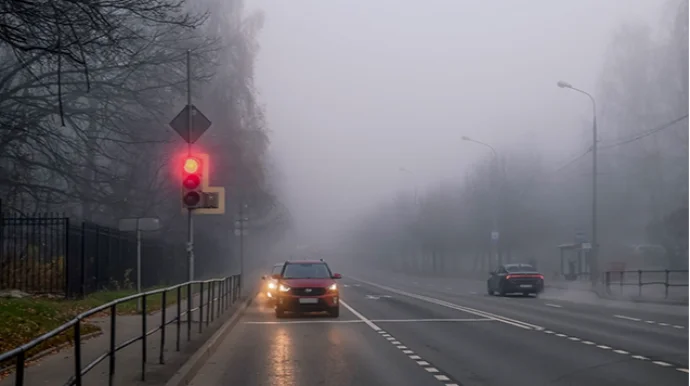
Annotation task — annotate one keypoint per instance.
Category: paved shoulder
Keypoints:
(308, 350)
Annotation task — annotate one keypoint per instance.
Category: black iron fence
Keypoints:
(49, 253)
(215, 297)
(624, 279)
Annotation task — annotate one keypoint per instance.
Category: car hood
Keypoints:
(300, 283)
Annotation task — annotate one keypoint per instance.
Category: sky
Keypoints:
(356, 90)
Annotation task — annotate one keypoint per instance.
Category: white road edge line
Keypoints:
(553, 305)
(498, 318)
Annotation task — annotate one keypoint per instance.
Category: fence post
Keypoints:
(608, 282)
(211, 295)
(66, 266)
(111, 366)
(666, 284)
(163, 326)
(82, 268)
(143, 337)
(179, 312)
(639, 282)
(19, 377)
(189, 312)
(201, 306)
(77, 353)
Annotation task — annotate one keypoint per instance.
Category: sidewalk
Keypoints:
(56, 369)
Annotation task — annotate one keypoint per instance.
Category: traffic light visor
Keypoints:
(191, 165)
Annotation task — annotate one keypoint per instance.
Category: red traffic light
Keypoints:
(191, 165)
(191, 181)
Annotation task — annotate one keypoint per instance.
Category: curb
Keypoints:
(189, 370)
(667, 302)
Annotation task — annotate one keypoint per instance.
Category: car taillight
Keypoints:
(508, 277)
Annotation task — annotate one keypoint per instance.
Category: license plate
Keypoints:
(525, 285)
(308, 300)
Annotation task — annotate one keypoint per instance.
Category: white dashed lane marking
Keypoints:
(404, 349)
(662, 324)
(617, 351)
(529, 326)
(553, 305)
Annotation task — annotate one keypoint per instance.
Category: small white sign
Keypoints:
(586, 246)
(494, 235)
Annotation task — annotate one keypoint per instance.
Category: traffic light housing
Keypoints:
(193, 178)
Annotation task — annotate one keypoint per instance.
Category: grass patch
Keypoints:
(22, 320)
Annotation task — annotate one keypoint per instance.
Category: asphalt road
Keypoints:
(395, 332)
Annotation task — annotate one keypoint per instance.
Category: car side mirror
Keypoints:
(337, 276)
(275, 276)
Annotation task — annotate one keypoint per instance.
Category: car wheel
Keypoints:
(280, 313)
(489, 290)
(501, 290)
(334, 312)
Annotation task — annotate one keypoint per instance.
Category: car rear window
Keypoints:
(306, 271)
(520, 268)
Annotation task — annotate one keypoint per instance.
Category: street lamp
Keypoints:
(594, 266)
(495, 232)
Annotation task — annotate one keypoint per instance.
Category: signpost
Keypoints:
(145, 224)
(191, 124)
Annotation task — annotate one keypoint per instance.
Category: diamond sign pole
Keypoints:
(190, 219)
(190, 124)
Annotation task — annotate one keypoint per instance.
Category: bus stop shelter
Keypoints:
(574, 261)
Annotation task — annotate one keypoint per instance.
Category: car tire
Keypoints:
(280, 313)
(501, 290)
(489, 290)
(334, 312)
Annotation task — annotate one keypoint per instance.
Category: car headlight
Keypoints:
(272, 285)
(284, 288)
(333, 287)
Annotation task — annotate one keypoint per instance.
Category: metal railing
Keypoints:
(636, 278)
(215, 297)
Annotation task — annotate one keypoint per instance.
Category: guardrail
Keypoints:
(659, 277)
(220, 295)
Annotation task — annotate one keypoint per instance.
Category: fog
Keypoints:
(353, 92)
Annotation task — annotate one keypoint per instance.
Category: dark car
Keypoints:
(307, 286)
(515, 278)
(271, 285)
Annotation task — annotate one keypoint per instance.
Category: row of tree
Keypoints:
(643, 180)
(87, 89)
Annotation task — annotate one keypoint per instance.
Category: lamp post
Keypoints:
(494, 231)
(594, 256)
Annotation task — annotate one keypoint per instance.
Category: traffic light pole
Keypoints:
(190, 220)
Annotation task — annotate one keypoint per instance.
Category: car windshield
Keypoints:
(306, 271)
(520, 268)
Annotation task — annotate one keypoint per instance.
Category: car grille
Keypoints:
(312, 292)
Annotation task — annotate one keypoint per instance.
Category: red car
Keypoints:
(307, 286)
